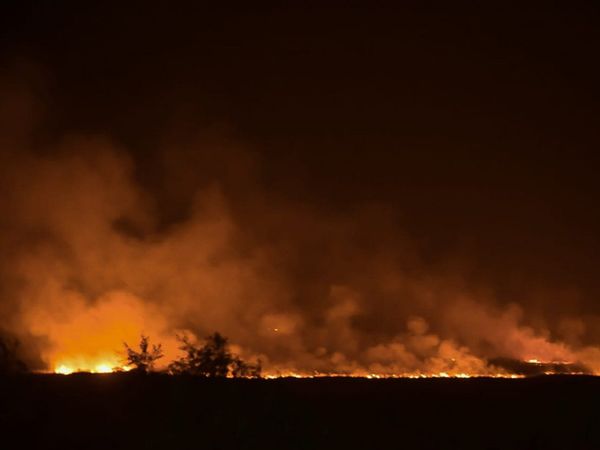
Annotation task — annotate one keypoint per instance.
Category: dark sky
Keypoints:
(476, 128)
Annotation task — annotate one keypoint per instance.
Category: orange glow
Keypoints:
(376, 376)
(64, 370)
(81, 364)
(90, 338)
(104, 368)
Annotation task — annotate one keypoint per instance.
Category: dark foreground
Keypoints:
(130, 412)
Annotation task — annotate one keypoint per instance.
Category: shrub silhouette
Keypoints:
(213, 359)
(144, 359)
(9, 360)
(240, 368)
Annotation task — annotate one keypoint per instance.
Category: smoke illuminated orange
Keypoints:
(87, 284)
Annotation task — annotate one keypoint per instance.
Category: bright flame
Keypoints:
(90, 338)
(63, 370)
(377, 376)
(67, 367)
(103, 368)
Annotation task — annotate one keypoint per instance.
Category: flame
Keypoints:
(82, 364)
(103, 368)
(64, 370)
(378, 376)
(90, 338)
(110, 367)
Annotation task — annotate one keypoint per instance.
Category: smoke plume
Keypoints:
(97, 251)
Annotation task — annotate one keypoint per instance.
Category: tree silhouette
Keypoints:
(213, 359)
(9, 361)
(240, 368)
(144, 359)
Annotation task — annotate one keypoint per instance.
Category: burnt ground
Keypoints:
(127, 411)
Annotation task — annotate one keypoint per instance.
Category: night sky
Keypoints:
(454, 147)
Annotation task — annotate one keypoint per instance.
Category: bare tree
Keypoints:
(144, 359)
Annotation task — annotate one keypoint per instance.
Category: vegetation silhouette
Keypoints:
(143, 360)
(213, 359)
(10, 363)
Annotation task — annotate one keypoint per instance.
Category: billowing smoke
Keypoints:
(95, 251)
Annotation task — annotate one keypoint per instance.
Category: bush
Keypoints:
(144, 359)
(213, 359)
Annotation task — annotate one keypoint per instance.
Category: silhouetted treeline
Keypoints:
(213, 359)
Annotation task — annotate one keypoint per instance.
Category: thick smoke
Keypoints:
(96, 251)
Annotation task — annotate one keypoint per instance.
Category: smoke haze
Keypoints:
(89, 263)
(400, 199)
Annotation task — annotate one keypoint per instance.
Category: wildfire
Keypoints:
(103, 368)
(64, 370)
(111, 367)
(377, 376)
(81, 365)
